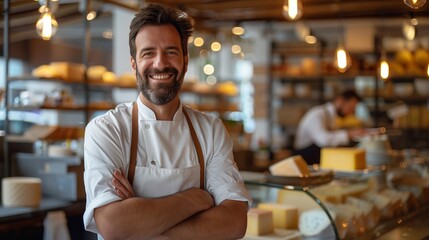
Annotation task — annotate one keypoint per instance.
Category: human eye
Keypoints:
(172, 53)
(147, 54)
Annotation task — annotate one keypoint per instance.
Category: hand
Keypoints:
(357, 133)
(123, 188)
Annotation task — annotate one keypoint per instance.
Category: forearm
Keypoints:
(143, 218)
(225, 221)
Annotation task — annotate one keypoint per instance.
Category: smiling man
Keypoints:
(154, 168)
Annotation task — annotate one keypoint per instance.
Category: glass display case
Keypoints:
(368, 204)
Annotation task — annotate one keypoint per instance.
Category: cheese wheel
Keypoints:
(21, 192)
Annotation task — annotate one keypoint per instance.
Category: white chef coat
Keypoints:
(317, 127)
(166, 157)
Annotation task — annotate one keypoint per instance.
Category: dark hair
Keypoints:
(350, 94)
(157, 14)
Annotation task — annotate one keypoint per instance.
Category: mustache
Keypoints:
(166, 70)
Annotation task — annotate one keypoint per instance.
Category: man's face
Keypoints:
(160, 65)
(346, 107)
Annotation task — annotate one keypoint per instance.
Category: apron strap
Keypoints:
(134, 138)
(197, 147)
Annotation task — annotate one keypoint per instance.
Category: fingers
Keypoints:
(123, 181)
(122, 187)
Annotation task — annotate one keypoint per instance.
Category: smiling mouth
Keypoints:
(160, 76)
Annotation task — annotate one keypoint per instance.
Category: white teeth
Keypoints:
(160, 76)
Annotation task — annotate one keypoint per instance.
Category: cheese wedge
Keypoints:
(259, 222)
(291, 166)
(284, 216)
(345, 159)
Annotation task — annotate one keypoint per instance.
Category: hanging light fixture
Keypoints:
(238, 30)
(415, 4)
(46, 26)
(408, 29)
(342, 60)
(292, 9)
(384, 66)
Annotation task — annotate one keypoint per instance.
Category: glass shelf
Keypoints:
(261, 180)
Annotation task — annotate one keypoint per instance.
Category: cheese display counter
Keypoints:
(384, 202)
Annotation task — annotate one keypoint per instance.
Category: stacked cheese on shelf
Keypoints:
(67, 71)
(99, 73)
(259, 222)
(284, 216)
(270, 216)
(343, 159)
(292, 166)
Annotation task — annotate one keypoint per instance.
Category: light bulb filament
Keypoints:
(46, 28)
(384, 69)
(293, 8)
(342, 58)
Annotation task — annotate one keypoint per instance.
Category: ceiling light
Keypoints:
(208, 69)
(198, 41)
(237, 30)
(384, 69)
(342, 59)
(408, 29)
(415, 4)
(292, 9)
(235, 49)
(216, 46)
(46, 26)
(310, 39)
(91, 15)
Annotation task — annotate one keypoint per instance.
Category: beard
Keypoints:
(159, 93)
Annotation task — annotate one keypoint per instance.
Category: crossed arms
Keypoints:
(190, 214)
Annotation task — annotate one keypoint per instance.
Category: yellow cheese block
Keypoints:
(259, 222)
(347, 159)
(291, 166)
(285, 216)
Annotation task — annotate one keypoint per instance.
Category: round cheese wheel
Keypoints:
(21, 191)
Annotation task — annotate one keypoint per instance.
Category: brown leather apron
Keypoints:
(134, 140)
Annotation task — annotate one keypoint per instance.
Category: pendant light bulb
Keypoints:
(415, 4)
(342, 59)
(292, 9)
(408, 29)
(384, 69)
(46, 26)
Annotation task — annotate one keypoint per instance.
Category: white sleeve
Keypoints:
(223, 179)
(102, 155)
